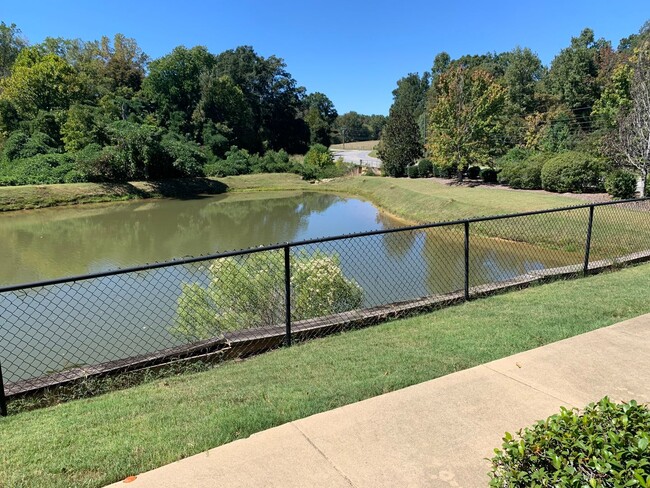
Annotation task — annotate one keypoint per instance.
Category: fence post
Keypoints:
(585, 270)
(287, 294)
(466, 260)
(3, 398)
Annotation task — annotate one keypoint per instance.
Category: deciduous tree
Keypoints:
(465, 119)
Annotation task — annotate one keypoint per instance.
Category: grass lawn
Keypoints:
(359, 145)
(104, 439)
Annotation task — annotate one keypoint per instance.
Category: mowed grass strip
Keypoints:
(104, 439)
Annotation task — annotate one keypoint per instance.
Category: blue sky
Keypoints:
(354, 52)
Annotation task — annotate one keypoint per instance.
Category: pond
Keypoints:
(57, 327)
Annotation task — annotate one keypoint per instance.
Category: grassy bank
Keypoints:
(617, 231)
(416, 200)
(104, 439)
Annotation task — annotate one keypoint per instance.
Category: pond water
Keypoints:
(57, 327)
(57, 242)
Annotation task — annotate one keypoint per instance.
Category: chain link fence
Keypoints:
(245, 302)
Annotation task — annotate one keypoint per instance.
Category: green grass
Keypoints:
(359, 145)
(104, 439)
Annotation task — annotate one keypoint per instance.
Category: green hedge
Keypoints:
(412, 171)
(524, 173)
(425, 168)
(608, 445)
(621, 184)
(572, 171)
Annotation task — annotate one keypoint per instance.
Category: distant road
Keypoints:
(357, 156)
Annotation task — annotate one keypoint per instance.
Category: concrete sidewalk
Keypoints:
(434, 434)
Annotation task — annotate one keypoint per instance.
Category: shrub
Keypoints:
(443, 171)
(607, 445)
(319, 156)
(489, 175)
(572, 171)
(187, 158)
(524, 174)
(621, 184)
(42, 169)
(14, 145)
(248, 291)
(473, 172)
(237, 162)
(308, 172)
(412, 171)
(425, 168)
(274, 162)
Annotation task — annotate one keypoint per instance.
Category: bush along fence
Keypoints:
(239, 303)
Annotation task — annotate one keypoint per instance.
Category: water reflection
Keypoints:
(50, 243)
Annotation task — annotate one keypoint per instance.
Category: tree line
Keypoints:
(500, 109)
(73, 110)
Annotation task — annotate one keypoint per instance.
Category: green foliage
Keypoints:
(425, 168)
(572, 171)
(274, 162)
(606, 445)
(465, 118)
(19, 145)
(248, 291)
(137, 150)
(319, 156)
(14, 145)
(413, 171)
(40, 169)
(187, 157)
(522, 169)
(621, 184)
(400, 141)
(174, 81)
(40, 82)
(237, 162)
(573, 74)
(11, 43)
(83, 126)
(444, 170)
(489, 175)
(473, 172)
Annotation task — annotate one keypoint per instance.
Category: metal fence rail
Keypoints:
(243, 302)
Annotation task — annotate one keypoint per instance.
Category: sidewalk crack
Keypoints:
(349, 481)
(529, 386)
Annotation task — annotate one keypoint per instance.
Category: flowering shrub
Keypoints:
(248, 291)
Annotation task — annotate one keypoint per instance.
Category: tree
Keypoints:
(465, 119)
(224, 103)
(573, 74)
(400, 141)
(632, 141)
(320, 114)
(523, 72)
(248, 291)
(11, 43)
(174, 83)
(273, 95)
(39, 82)
(351, 127)
(615, 98)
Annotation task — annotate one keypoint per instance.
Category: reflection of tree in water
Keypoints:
(491, 260)
(60, 242)
(397, 244)
(444, 254)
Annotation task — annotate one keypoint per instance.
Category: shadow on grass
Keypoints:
(182, 189)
